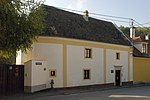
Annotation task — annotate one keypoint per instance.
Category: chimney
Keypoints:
(86, 15)
(132, 32)
(146, 37)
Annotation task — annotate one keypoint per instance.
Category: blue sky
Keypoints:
(138, 10)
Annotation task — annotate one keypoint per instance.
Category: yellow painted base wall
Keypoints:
(141, 69)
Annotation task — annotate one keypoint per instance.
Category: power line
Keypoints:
(109, 17)
(138, 23)
(70, 9)
(124, 35)
(146, 23)
(125, 18)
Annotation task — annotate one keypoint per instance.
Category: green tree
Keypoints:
(21, 21)
(139, 30)
(143, 30)
(125, 30)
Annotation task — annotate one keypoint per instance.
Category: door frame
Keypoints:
(118, 68)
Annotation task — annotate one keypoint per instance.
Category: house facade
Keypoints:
(74, 52)
(141, 57)
(80, 63)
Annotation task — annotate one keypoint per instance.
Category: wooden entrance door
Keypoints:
(11, 79)
(117, 77)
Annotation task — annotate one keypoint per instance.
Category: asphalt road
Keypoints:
(134, 93)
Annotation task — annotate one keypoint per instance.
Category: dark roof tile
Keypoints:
(61, 23)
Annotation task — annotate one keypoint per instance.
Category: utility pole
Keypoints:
(132, 29)
(132, 22)
(132, 35)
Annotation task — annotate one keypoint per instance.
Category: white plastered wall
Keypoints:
(53, 54)
(76, 63)
(28, 74)
(21, 58)
(38, 73)
(111, 62)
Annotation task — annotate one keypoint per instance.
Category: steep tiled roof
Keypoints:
(61, 23)
(137, 53)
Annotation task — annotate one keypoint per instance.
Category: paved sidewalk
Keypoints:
(67, 91)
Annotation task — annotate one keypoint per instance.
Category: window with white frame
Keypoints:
(52, 73)
(144, 48)
(87, 74)
(118, 56)
(88, 53)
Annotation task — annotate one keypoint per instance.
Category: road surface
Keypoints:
(134, 93)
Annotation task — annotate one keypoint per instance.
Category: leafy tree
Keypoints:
(139, 30)
(125, 30)
(21, 21)
(143, 30)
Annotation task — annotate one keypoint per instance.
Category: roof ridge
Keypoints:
(74, 13)
(66, 24)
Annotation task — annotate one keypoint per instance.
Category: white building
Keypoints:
(75, 52)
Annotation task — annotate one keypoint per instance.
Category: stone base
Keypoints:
(31, 89)
(129, 83)
(106, 85)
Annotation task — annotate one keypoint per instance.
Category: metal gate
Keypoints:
(11, 79)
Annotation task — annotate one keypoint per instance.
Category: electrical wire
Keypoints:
(125, 18)
(124, 35)
(110, 17)
(146, 23)
(138, 23)
(69, 9)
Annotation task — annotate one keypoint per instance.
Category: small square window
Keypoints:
(118, 56)
(86, 73)
(88, 53)
(52, 73)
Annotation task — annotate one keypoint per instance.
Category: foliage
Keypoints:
(125, 30)
(139, 30)
(143, 30)
(8, 60)
(21, 21)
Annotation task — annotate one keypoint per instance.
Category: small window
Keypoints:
(112, 71)
(118, 56)
(88, 53)
(52, 73)
(144, 48)
(86, 73)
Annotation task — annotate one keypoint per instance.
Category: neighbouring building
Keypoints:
(141, 57)
(76, 50)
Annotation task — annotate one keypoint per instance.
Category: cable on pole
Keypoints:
(131, 21)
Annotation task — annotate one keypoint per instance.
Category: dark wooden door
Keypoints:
(11, 78)
(117, 77)
(3, 79)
